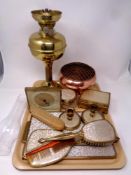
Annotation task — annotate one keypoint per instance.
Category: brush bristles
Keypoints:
(95, 144)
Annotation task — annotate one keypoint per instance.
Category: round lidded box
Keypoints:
(71, 119)
(90, 116)
(77, 75)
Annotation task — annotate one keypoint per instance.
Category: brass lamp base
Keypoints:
(47, 44)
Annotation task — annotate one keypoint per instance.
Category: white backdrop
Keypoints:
(98, 32)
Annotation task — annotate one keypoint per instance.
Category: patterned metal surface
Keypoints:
(83, 150)
(78, 71)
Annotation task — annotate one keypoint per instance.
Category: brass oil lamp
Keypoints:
(47, 45)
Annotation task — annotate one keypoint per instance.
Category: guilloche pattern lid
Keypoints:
(78, 71)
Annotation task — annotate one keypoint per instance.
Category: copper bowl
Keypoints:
(77, 75)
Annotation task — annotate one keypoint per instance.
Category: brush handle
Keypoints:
(63, 136)
(47, 118)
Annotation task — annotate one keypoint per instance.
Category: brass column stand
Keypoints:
(47, 45)
(48, 71)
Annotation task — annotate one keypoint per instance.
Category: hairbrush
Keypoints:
(96, 133)
(47, 118)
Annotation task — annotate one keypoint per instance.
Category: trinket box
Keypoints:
(97, 100)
